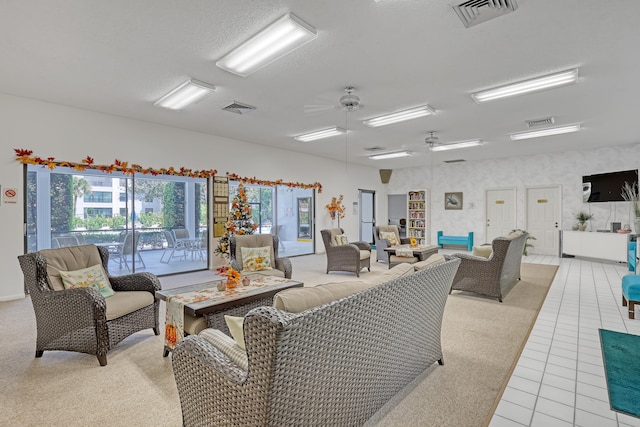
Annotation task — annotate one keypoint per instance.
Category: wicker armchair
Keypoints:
(496, 275)
(81, 319)
(281, 266)
(352, 257)
(381, 255)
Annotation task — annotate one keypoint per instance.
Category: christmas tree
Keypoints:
(239, 221)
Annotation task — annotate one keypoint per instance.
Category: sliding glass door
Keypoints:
(137, 218)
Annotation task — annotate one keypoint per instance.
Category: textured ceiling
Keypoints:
(119, 57)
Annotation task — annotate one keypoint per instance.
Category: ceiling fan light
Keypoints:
(548, 81)
(400, 116)
(275, 41)
(185, 94)
(546, 132)
(456, 145)
(393, 155)
(320, 134)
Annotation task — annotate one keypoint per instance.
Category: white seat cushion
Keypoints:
(121, 303)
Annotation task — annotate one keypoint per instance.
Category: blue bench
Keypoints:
(631, 292)
(456, 240)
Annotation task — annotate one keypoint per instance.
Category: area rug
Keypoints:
(481, 341)
(621, 354)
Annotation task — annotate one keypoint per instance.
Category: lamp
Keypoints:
(324, 133)
(545, 132)
(283, 36)
(185, 94)
(400, 116)
(527, 86)
(390, 155)
(456, 145)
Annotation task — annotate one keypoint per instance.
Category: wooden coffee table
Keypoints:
(236, 302)
(421, 252)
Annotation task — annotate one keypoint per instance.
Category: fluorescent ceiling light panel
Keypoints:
(390, 155)
(400, 116)
(325, 133)
(527, 86)
(546, 132)
(185, 94)
(283, 36)
(456, 145)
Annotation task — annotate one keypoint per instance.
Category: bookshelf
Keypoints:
(417, 215)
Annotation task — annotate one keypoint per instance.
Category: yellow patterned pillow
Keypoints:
(390, 236)
(90, 277)
(256, 259)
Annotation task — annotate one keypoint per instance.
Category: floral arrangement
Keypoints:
(233, 275)
(413, 241)
(239, 221)
(336, 208)
(630, 193)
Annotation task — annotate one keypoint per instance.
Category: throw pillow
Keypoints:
(256, 259)
(90, 277)
(235, 325)
(340, 240)
(390, 236)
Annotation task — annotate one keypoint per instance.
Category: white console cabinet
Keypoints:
(609, 246)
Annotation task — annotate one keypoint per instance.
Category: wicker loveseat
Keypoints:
(334, 364)
(496, 275)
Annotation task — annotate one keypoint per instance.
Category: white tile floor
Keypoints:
(559, 379)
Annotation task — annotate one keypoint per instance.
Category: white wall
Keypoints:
(473, 178)
(70, 134)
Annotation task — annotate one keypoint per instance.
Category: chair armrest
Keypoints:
(136, 282)
(284, 265)
(364, 246)
(350, 250)
(381, 244)
(211, 362)
(85, 304)
(471, 257)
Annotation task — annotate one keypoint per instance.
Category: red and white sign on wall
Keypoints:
(10, 195)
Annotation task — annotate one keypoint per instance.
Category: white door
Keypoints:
(501, 212)
(543, 219)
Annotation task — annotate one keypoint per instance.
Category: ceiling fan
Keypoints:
(348, 102)
(432, 139)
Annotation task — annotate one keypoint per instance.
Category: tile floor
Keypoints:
(559, 379)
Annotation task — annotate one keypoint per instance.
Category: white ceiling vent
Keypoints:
(239, 107)
(540, 122)
(376, 148)
(475, 12)
(454, 161)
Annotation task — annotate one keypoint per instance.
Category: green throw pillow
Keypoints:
(90, 277)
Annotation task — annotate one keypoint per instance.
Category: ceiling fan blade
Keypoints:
(318, 108)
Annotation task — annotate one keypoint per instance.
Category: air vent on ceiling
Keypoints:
(239, 107)
(454, 161)
(475, 12)
(540, 122)
(378, 148)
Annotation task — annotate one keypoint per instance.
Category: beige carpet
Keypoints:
(481, 341)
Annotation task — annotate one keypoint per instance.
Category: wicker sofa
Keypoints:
(496, 275)
(333, 364)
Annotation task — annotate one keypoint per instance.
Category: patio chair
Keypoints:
(174, 249)
(345, 256)
(128, 248)
(64, 241)
(81, 319)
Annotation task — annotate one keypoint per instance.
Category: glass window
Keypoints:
(133, 219)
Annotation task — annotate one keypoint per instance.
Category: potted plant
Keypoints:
(582, 218)
(630, 194)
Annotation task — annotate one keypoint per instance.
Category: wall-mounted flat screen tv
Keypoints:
(606, 187)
